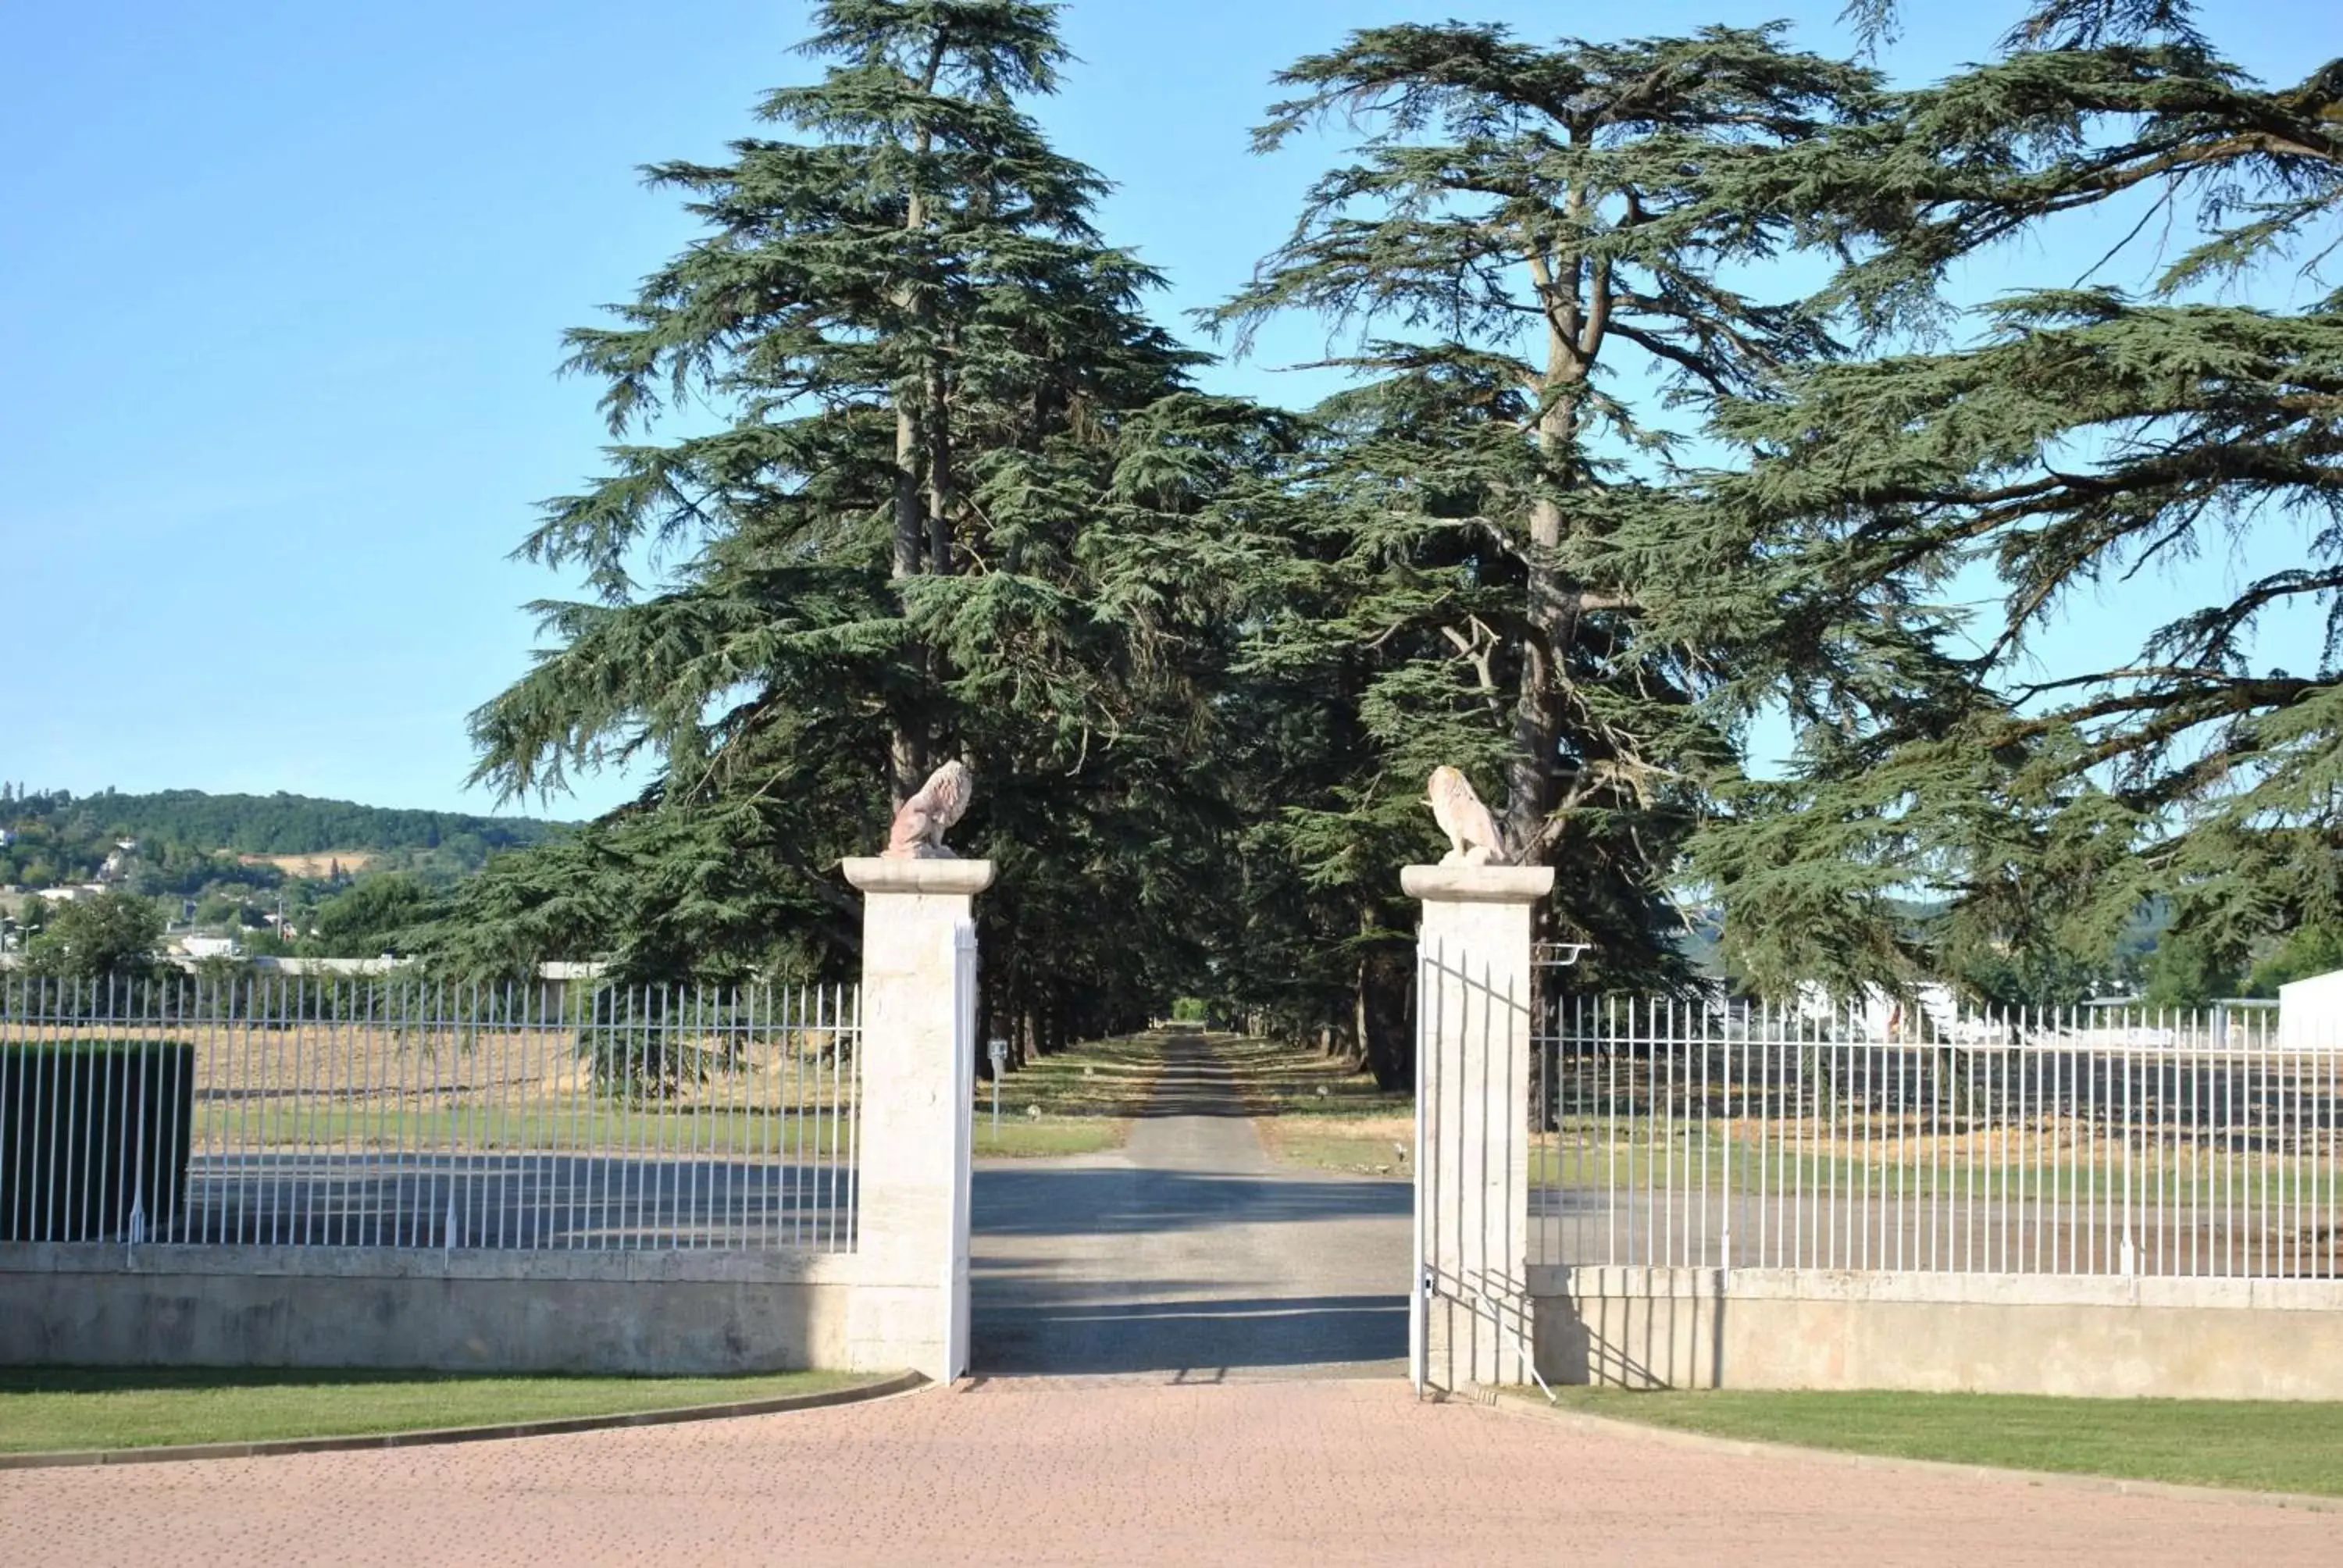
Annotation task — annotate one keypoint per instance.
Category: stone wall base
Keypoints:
(650, 1313)
(1976, 1333)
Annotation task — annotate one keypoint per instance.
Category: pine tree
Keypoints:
(2083, 437)
(946, 509)
(2053, 23)
(1542, 252)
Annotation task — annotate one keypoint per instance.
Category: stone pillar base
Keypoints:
(909, 1306)
(1475, 993)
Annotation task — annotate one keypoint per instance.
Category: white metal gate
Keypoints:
(963, 1079)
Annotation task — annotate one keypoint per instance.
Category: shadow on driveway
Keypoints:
(1115, 1269)
(1044, 1334)
(1115, 1199)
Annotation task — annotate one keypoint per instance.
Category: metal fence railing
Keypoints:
(2063, 1142)
(399, 1113)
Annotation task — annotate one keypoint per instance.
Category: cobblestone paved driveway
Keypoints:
(1081, 1471)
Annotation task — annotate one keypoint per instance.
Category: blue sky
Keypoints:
(282, 285)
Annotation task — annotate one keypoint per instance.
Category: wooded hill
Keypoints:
(74, 833)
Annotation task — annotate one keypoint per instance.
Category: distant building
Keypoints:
(2310, 1013)
(7, 836)
(209, 947)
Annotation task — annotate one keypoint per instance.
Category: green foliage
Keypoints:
(2027, 977)
(188, 850)
(2186, 971)
(278, 824)
(2053, 23)
(267, 942)
(636, 1041)
(219, 908)
(165, 868)
(2303, 952)
(16, 931)
(112, 937)
(2070, 439)
(1484, 547)
(946, 492)
(943, 507)
(372, 919)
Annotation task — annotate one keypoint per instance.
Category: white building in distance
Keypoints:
(2310, 1013)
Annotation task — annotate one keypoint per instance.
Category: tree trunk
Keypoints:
(910, 526)
(907, 749)
(1575, 324)
(1537, 718)
(941, 481)
(1386, 1019)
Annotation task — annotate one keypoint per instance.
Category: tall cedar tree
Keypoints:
(1536, 252)
(945, 509)
(2083, 438)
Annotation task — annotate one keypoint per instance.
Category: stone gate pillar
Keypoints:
(1474, 998)
(910, 1305)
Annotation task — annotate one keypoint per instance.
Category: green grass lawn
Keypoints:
(1318, 1111)
(2255, 1445)
(47, 1409)
(1367, 1147)
(1282, 1078)
(1587, 1153)
(1086, 1096)
(1024, 1136)
(647, 1130)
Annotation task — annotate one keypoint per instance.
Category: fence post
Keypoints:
(909, 1308)
(1471, 1319)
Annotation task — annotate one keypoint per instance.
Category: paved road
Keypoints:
(1115, 1471)
(1188, 1256)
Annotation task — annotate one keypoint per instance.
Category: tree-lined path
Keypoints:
(1188, 1253)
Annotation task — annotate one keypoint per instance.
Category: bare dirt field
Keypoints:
(315, 866)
